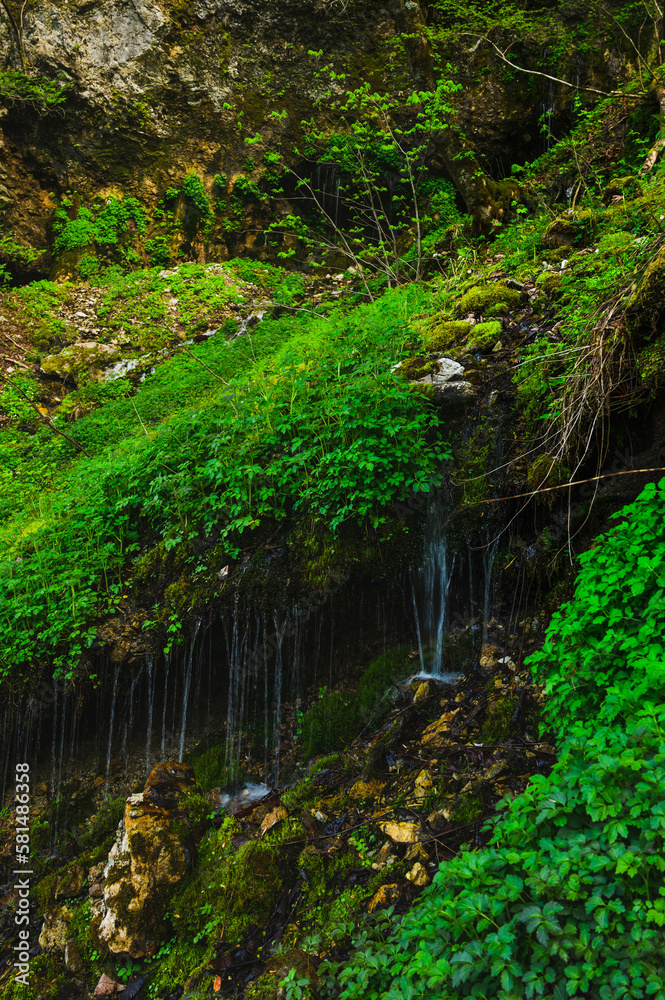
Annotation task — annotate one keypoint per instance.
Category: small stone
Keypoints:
(423, 691)
(402, 833)
(489, 658)
(416, 852)
(385, 896)
(418, 875)
(439, 818)
(495, 770)
(423, 784)
(367, 789)
(273, 818)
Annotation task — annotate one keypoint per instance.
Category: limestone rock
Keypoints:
(82, 356)
(402, 833)
(489, 658)
(438, 819)
(385, 896)
(55, 929)
(438, 729)
(151, 855)
(418, 875)
(70, 883)
(73, 960)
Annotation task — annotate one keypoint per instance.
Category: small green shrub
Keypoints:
(193, 189)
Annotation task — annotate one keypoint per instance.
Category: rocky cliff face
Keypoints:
(157, 90)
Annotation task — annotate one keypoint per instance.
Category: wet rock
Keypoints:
(439, 818)
(55, 929)
(73, 960)
(402, 833)
(416, 852)
(437, 730)
(385, 896)
(454, 397)
(418, 875)
(83, 356)
(367, 790)
(273, 818)
(70, 883)
(489, 658)
(152, 854)
(423, 784)
(424, 691)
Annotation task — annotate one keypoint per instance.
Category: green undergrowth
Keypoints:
(568, 899)
(299, 417)
(338, 717)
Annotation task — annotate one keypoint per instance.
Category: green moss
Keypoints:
(549, 282)
(416, 368)
(444, 335)
(484, 336)
(482, 299)
(337, 718)
(467, 809)
(625, 187)
(496, 727)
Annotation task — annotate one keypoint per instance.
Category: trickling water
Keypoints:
(116, 674)
(489, 552)
(418, 633)
(439, 566)
(166, 699)
(151, 702)
(187, 683)
(278, 700)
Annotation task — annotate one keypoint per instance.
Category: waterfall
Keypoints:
(166, 692)
(438, 573)
(489, 552)
(278, 700)
(418, 633)
(110, 742)
(187, 683)
(151, 701)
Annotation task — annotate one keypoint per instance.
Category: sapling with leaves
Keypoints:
(15, 11)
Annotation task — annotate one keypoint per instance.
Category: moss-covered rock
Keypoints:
(622, 187)
(490, 299)
(484, 336)
(645, 310)
(444, 335)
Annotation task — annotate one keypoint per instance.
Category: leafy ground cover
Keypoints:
(569, 898)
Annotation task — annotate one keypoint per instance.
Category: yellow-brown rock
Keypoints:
(367, 789)
(403, 833)
(418, 875)
(55, 929)
(152, 853)
(437, 730)
(423, 785)
(424, 691)
(385, 896)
